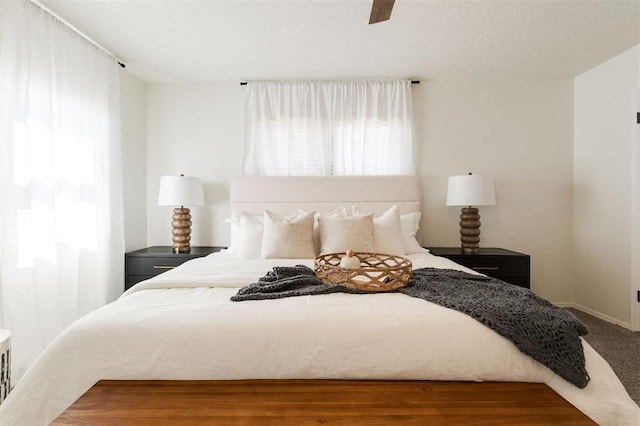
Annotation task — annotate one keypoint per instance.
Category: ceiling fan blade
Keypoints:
(381, 10)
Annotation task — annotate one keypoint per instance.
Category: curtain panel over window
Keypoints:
(329, 128)
(61, 231)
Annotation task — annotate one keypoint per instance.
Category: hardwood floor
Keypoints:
(313, 402)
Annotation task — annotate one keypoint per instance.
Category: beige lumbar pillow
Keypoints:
(288, 237)
(338, 234)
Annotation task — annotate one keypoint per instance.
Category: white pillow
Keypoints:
(387, 233)
(288, 237)
(410, 223)
(244, 238)
(249, 237)
(234, 228)
(338, 234)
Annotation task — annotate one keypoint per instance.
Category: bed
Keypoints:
(182, 325)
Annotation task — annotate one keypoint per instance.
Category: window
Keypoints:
(338, 128)
(61, 236)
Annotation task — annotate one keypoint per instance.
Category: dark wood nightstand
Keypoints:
(145, 263)
(507, 265)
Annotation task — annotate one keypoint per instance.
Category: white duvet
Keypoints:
(181, 325)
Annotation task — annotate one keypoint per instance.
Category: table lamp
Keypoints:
(180, 191)
(470, 190)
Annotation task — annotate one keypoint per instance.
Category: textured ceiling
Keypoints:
(220, 40)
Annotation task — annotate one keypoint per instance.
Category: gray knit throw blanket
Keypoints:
(548, 334)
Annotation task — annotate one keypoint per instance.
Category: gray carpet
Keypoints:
(619, 346)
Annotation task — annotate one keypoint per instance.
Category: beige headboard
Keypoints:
(286, 194)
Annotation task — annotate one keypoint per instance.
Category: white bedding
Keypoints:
(181, 325)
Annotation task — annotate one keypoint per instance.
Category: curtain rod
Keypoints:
(244, 83)
(77, 31)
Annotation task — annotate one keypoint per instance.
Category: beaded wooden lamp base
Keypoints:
(470, 230)
(181, 223)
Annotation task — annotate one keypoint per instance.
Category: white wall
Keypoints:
(195, 130)
(133, 97)
(518, 131)
(602, 180)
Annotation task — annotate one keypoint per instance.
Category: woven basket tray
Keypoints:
(377, 272)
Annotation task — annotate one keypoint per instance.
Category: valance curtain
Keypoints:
(332, 128)
(61, 230)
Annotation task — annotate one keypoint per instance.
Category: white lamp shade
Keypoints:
(470, 190)
(180, 191)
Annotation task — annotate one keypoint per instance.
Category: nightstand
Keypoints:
(148, 262)
(506, 265)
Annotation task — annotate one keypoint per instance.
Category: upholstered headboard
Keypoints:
(285, 194)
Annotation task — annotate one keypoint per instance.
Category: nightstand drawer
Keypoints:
(496, 267)
(153, 265)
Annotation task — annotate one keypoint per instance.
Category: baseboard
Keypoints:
(594, 313)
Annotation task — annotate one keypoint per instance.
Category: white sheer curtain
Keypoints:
(342, 128)
(61, 231)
